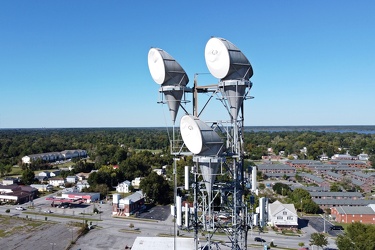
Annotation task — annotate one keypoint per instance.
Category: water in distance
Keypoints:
(365, 129)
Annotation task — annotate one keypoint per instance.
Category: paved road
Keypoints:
(322, 225)
(116, 233)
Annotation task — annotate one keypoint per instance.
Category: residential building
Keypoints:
(363, 157)
(329, 203)
(333, 177)
(358, 175)
(343, 157)
(275, 168)
(82, 184)
(41, 179)
(309, 178)
(83, 176)
(42, 187)
(54, 173)
(351, 163)
(71, 179)
(282, 215)
(347, 214)
(55, 156)
(10, 180)
(159, 171)
(301, 163)
(57, 181)
(336, 195)
(44, 174)
(136, 182)
(124, 187)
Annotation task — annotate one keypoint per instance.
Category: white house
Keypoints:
(83, 176)
(124, 187)
(44, 173)
(159, 171)
(136, 182)
(55, 156)
(42, 187)
(282, 215)
(82, 184)
(10, 180)
(71, 179)
(57, 181)
(363, 157)
(54, 173)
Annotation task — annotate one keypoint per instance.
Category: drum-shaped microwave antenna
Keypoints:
(170, 75)
(200, 138)
(164, 69)
(225, 61)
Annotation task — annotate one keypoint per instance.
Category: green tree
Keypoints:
(357, 236)
(372, 160)
(156, 189)
(281, 188)
(318, 239)
(309, 206)
(299, 194)
(28, 176)
(5, 169)
(335, 187)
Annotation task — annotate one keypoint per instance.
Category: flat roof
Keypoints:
(162, 243)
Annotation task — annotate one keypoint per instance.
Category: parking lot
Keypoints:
(321, 225)
(160, 213)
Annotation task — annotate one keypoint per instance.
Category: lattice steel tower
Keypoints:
(217, 146)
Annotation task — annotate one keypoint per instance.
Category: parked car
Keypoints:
(336, 228)
(258, 239)
(48, 211)
(20, 208)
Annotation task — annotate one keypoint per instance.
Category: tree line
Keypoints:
(137, 151)
(103, 142)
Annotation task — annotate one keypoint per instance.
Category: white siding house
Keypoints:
(82, 184)
(45, 174)
(136, 182)
(282, 215)
(71, 179)
(56, 182)
(124, 187)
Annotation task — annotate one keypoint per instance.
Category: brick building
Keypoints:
(347, 214)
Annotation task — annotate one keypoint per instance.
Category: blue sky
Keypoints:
(84, 63)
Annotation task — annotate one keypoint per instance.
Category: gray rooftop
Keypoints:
(275, 167)
(344, 202)
(355, 210)
(361, 174)
(334, 174)
(307, 162)
(312, 177)
(337, 194)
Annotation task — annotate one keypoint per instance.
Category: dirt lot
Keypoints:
(22, 233)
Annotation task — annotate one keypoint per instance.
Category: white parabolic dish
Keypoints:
(156, 65)
(191, 134)
(217, 57)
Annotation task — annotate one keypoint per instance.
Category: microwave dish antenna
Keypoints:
(164, 69)
(200, 138)
(168, 73)
(225, 61)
